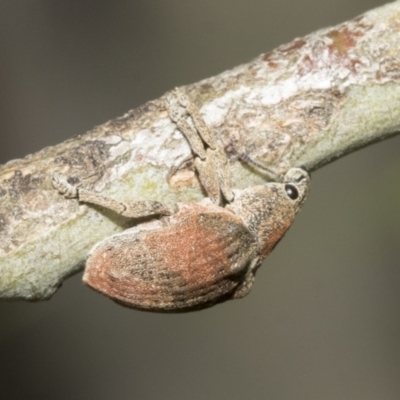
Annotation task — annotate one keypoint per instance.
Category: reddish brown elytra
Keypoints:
(202, 254)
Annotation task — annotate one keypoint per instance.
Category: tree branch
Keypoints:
(304, 104)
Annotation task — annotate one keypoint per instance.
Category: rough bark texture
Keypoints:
(303, 104)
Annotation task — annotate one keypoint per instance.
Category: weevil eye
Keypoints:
(291, 191)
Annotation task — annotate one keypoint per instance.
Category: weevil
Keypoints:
(199, 254)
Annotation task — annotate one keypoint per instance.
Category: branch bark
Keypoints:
(306, 104)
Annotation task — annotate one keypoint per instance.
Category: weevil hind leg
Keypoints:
(134, 209)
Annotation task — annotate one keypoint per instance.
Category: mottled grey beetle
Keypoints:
(203, 253)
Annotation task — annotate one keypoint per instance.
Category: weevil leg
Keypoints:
(211, 161)
(215, 152)
(221, 165)
(245, 286)
(177, 114)
(205, 133)
(175, 104)
(135, 209)
(208, 178)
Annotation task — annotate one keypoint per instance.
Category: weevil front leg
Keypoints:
(135, 209)
(211, 161)
(215, 154)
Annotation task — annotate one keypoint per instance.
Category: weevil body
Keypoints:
(202, 253)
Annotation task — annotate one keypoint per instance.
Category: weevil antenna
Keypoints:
(272, 174)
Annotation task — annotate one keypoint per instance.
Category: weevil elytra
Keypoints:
(201, 253)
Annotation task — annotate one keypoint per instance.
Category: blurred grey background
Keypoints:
(322, 321)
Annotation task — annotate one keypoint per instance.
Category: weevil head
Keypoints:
(282, 201)
(269, 210)
(296, 185)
